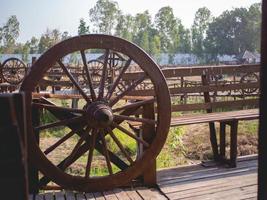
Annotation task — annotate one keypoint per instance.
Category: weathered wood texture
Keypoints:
(139, 193)
(198, 70)
(262, 174)
(263, 107)
(198, 182)
(187, 182)
(13, 151)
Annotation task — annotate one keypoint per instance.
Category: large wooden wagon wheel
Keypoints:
(13, 70)
(101, 119)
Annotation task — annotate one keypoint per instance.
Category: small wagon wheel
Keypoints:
(102, 118)
(249, 78)
(95, 69)
(13, 70)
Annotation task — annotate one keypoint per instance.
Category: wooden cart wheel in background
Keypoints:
(13, 70)
(95, 69)
(249, 78)
(102, 117)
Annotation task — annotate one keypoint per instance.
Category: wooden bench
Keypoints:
(209, 94)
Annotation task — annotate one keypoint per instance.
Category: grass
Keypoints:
(173, 152)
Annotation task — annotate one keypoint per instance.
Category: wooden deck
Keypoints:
(188, 182)
(213, 182)
(138, 193)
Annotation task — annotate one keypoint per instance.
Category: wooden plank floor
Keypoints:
(138, 193)
(213, 182)
(194, 182)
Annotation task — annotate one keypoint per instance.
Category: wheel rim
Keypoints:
(105, 102)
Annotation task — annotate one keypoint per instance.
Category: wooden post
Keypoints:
(213, 138)
(13, 151)
(74, 102)
(148, 132)
(33, 172)
(33, 61)
(222, 140)
(233, 142)
(262, 175)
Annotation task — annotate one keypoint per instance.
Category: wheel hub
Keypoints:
(99, 115)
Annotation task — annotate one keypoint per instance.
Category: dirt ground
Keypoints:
(196, 141)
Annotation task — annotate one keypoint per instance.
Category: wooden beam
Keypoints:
(262, 175)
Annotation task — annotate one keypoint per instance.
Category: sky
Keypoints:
(35, 16)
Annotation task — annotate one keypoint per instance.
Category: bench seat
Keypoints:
(215, 117)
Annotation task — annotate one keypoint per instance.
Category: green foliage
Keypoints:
(174, 150)
(8, 34)
(83, 28)
(249, 127)
(125, 27)
(33, 45)
(168, 27)
(128, 143)
(49, 39)
(175, 139)
(199, 28)
(47, 117)
(104, 16)
(234, 31)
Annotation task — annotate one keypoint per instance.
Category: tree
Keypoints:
(233, 32)
(83, 28)
(65, 35)
(254, 26)
(141, 30)
(104, 16)
(33, 45)
(168, 28)
(154, 47)
(199, 28)
(8, 34)
(22, 49)
(125, 27)
(184, 40)
(49, 39)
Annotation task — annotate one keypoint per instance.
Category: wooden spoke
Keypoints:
(90, 153)
(125, 92)
(76, 147)
(116, 140)
(103, 77)
(57, 108)
(73, 80)
(134, 105)
(89, 78)
(105, 150)
(63, 164)
(114, 159)
(59, 123)
(59, 142)
(135, 119)
(115, 84)
(83, 149)
(130, 134)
